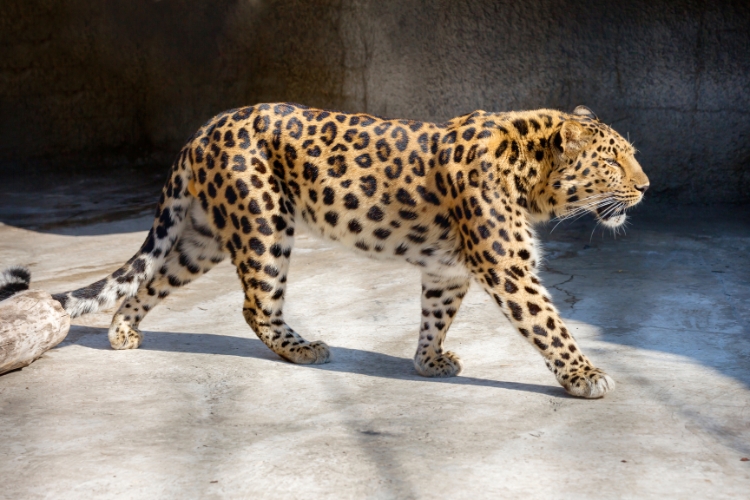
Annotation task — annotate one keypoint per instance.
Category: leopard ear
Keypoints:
(584, 111)
(573, 137)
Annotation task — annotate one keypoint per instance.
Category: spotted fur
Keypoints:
(457, 200)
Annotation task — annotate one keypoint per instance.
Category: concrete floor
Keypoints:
(204, 410)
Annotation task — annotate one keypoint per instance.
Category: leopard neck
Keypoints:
(525, 151)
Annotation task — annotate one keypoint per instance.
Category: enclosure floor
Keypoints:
(204, 410)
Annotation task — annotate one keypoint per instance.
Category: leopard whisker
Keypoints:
(589, 206)
(587, 203)
(579, 211)
(611, 210)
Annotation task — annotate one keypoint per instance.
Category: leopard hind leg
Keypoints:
(262, 265)
(196, 252)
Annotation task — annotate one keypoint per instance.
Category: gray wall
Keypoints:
(83, 82)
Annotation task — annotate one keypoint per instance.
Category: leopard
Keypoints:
(459, 200)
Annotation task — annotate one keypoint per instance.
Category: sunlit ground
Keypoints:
(205, 409)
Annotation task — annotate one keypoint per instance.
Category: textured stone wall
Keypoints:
(84, 82)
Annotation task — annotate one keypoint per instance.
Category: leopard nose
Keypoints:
(642, 188)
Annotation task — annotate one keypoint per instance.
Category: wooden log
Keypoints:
(31, 323)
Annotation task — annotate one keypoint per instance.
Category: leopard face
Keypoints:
(594, 171)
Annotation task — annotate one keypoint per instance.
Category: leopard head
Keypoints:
(594, 170)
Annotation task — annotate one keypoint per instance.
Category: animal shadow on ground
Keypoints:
(344, 360)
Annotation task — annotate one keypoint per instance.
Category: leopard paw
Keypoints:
(588, 382)
(123, 336)
(309, 353)
(446, 364)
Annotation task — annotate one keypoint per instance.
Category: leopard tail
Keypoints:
(13, 280)
(169, 222)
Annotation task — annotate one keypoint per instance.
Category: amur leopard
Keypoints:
(457, 200)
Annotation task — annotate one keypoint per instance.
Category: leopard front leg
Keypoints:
(441, 298)
(526, 303)
(500, 251)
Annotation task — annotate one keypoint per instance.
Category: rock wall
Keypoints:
(120, 80)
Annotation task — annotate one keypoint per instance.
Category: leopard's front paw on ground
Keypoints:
(309, 353)
(447, 364)
(123, 336)
(588, 382)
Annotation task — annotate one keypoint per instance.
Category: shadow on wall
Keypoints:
(132, 81)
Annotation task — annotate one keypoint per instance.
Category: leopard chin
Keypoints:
(614, 221)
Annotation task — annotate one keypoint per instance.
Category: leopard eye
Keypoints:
(613, 162)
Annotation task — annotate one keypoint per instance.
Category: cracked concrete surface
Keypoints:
(204, 410)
